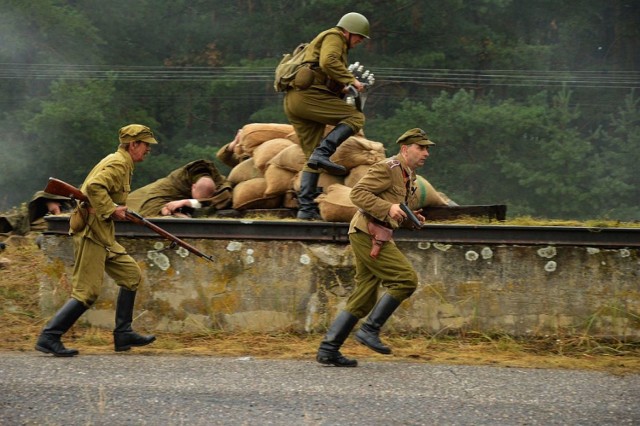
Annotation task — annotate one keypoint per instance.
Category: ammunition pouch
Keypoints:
(304, 78)
(79, 217)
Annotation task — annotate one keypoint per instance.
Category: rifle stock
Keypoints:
(58, 187)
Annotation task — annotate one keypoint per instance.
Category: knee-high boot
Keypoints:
(369, 333)
(49, 340)
(123, 335)
(329, 351)
(308, 208)
(319, 159)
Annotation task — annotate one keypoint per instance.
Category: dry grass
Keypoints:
(21, 322)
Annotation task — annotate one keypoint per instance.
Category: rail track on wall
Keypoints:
(337, 232)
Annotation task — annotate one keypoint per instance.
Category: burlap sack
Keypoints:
(290, 158)
(290, 200)
(267, 150)
(250, 195)
(278, 180)
(324, 181)
(358, 151)
(254, 134)
(355, 175)
(335, 205)
(293, 137)
(427, 195)
(244, 171)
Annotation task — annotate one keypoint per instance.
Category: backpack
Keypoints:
(288, 67)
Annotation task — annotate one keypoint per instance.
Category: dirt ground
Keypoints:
(21, 321)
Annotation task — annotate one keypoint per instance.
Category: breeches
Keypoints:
(92, 261)
(309, 111)
(391, 270)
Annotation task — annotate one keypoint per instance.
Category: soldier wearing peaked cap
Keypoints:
(378, 196)
(96, 250)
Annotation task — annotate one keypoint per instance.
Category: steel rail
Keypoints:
(246, 229)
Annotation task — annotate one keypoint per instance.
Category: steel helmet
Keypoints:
(355, 23)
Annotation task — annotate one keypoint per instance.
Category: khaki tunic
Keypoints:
(149, 200)
(387, 182)
(96, 249)
(310, 110)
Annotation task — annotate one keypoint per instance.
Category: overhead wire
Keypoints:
(423, 76)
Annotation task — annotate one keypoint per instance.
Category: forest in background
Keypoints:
(532, 103)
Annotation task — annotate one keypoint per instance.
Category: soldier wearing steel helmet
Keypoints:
(96, 250)
(310, 109)
(378, 196)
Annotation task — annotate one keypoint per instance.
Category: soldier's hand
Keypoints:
(171, 207)
(396, 213)
(53, 207)
(358, 85)
(120, 213)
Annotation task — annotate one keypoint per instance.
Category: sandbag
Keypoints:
(427, 195)
(267, 150)
(357, 151)
(278, 180)
(293, 137)
(250, 195)
(244, 171)
(324, 181)
(355, 175)
(335, 204)
(254, 134)
(290, 158)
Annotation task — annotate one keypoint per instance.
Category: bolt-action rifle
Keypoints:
(58, 187)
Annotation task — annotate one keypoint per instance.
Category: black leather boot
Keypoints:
(123, 335)
(308, 208)
(49, 340)
(369, 333)
(319, 158)
(329, 353)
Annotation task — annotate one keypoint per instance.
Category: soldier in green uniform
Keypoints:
(96, 249)
(378, 196)
(309, 110)
(195, 185)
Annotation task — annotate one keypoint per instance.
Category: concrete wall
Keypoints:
(295, 286)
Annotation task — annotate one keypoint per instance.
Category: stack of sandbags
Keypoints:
(276, 160)
(270, 178)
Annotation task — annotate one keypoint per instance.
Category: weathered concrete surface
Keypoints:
(289, 285)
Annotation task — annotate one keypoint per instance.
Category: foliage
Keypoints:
(531, 103)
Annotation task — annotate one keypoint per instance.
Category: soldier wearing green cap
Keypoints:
(96, 249)
(378, 196)
(311, 109)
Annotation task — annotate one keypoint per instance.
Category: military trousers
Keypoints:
(391, 270)
(310, 111)
(92, 260)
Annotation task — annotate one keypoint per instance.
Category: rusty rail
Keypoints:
(246, 229)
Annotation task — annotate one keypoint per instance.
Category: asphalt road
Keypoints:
(130, 389)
